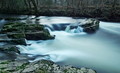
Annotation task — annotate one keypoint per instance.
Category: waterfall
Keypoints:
(78, 29)
(49, 29)
(67, 29)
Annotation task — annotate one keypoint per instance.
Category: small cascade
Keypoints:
(77, 29)
(22, 48)
(67, 29)
(49, 29)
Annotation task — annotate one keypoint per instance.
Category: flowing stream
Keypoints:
(99, 51)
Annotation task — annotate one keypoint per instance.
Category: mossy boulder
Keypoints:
(42, 66)
(18, 32)
(12, 17)
(13, 27)
(90, 25)
(38, 36)
(9, 49)
(87, 25)
(20, 41)
(16, 35)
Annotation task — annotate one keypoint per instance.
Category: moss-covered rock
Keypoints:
(13, 18)
(87, 25)
(38, 36)
(20, 41)
(90, 25)
(42, 66)
(18, 32)
(9, 49)
(16, 35)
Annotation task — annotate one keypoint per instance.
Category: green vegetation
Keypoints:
(23, 66)
(5, 62)
(4, 71)
(19, 32)
(41, 70)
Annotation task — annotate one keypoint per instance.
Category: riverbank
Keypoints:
(100, 18)
(42, 66)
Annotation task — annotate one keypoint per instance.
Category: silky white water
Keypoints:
(99, 51)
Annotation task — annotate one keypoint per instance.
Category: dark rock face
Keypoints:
(9, 49)
(38, 36)
(87, 25)
(9, 52)
(18, 32)
(90, 25)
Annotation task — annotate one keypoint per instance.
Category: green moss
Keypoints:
(5, 62)
(16, 35)
(33, 27)
(15, 49)
(13, 27)
(65, 71)
(50, 63)
(14, 18)
(41, 71)
(22, 66)
(4, 71)
(2, 68)
(29, 31)
(21, 41)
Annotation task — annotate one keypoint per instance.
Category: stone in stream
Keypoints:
(18, 32)
(90, 25)
(87, 25)
(20, 41)
(9, 48)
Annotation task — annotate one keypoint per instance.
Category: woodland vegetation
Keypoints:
(87, 8)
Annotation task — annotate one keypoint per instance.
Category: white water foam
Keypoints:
(99, 51)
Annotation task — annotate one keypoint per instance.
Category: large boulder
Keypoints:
(18, 32)
(20, 41)
(87, 25)
(90, 25)
(38, 36)
(9, 49)
(42, 66)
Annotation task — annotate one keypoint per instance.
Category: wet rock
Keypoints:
(9, 49)
(87, 25)
(90, 25)
(18, 32)
(20, 41)
(84, 70)
(91, 71)
(16, 35)
(38, 36)
(13, 17)
(42, 66)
